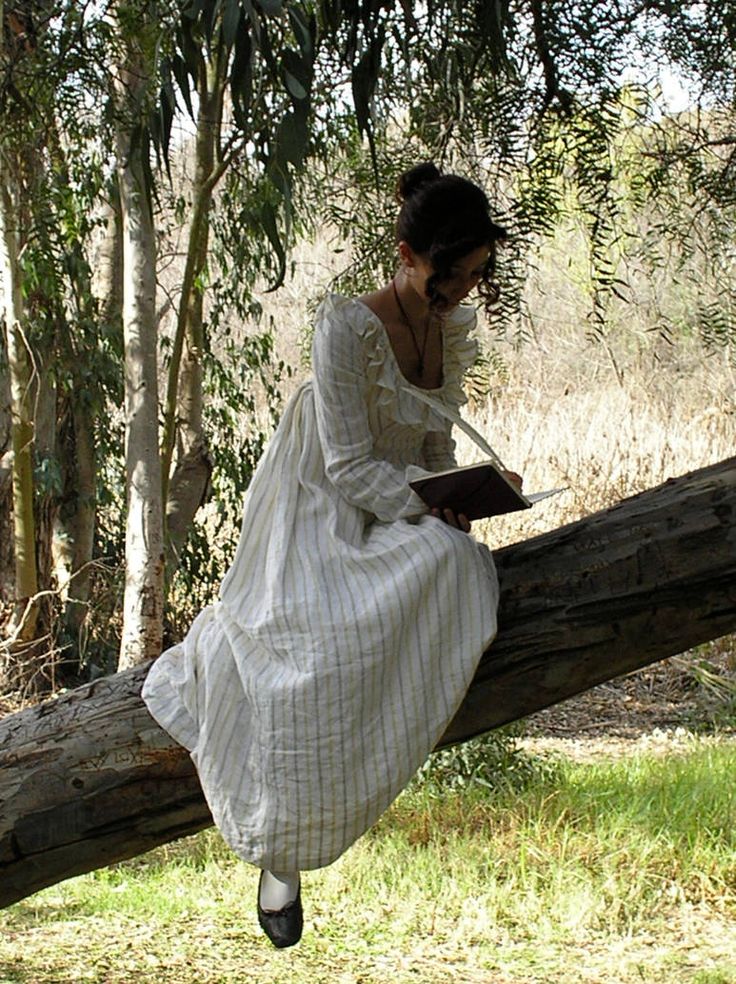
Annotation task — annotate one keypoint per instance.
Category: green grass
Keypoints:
(618, 871)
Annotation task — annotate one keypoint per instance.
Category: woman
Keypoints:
(351, 621)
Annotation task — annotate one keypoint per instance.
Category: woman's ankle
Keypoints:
(277, 889)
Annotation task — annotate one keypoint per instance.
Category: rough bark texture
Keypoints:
(650, 578)
(90, 779)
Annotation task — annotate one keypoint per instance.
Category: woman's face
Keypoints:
(463, 277)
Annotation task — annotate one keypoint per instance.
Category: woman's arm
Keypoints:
(340, 385)
(439, 450)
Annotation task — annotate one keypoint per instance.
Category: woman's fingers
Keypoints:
(458, 520)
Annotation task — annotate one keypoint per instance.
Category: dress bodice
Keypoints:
(400, 423)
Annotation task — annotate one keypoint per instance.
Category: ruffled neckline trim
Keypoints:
(459, 353)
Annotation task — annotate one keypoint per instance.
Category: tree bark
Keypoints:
(90, 778)
(7, 555)
(142, 633)
(20, 369)
(75, 529)
(76, 514)
(107, 264)
(183, 429)
(73, 419)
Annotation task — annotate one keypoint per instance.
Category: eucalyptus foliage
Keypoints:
(555, 107)
(558, 109)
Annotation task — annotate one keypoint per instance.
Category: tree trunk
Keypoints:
(7, 556)
(73, 421)
(144, 564)
(183, 428)
(90, 778)
(75, 517)
(107, 264)
(84, 519)
(20, 369)
(44, 397)
(75, 532)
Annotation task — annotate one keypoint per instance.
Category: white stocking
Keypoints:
(277, 889)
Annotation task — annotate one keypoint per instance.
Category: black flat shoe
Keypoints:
(283, 926)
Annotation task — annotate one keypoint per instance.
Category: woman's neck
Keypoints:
(417, 308)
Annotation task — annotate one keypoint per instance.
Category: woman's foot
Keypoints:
(280, 912)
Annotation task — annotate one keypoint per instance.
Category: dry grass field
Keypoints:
(608, 417)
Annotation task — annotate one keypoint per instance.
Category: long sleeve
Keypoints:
(367, 482)
(439, 450)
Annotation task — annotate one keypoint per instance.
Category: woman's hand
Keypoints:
(515, 479)
(458, 520)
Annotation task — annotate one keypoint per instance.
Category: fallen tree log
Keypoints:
(89, 778)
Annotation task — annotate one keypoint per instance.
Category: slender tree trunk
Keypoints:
(7, 556)
(183, 430)
(21, 178)
(84, 519)
(74, 543)
(45, 398)
(90, 778)
(107, 268)
(74, 520)
(144, 561)
(20, 369)
(187, 487)
(71, 426)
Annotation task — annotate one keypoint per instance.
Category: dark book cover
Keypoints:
(476, 491)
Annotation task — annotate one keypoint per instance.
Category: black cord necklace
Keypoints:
(410, 326)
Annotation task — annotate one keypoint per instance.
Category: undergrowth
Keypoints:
(613, 872)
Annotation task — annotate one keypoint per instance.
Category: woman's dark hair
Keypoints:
(443, 217)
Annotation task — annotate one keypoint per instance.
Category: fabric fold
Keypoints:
(344, 640)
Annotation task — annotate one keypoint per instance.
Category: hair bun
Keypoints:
(411, 181)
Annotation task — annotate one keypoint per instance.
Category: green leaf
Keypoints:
(179, 71)
(303, 29)
(364, 77)
(292, 139)
(190, 50)
(294, 86)
(270, 227)
(271, 7)
(231, 20)
(241, 76)
(297, 74)
(167, 106)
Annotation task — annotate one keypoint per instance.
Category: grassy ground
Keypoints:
(611, 871)
(615, 871)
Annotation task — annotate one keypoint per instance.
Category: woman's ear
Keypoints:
(407, 255)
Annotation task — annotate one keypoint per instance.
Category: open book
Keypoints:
(477, 491)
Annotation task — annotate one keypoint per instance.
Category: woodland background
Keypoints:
(181, 183)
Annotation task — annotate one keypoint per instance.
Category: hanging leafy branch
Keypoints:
(314, 107)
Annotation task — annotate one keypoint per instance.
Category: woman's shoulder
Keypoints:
(461, 320)
(344, 309)
(341, 317)
(461, 351)
(363, 314)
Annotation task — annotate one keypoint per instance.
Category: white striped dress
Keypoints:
(350, 623)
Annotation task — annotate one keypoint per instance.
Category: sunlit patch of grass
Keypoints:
(716, 975)
(611, 872)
